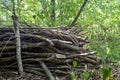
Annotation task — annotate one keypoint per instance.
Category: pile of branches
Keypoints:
(48, 52)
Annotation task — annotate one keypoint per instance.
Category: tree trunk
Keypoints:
(18, 41)
(52, 11)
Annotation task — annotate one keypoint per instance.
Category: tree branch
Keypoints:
(47, 71)
(78, 14)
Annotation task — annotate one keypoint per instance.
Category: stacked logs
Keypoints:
(52, 48)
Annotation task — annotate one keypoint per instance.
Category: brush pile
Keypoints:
(56, 49)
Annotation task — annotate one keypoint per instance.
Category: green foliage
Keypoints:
(73, 76)
(106, 72)
(85, 75)
(104, 27)
(106, 42)
(74, 64)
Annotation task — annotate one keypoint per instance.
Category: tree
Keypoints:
(17, 34)
(18, 41)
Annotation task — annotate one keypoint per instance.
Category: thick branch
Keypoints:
(47, 71)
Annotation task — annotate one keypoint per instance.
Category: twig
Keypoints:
(47, 71)
(5, 46)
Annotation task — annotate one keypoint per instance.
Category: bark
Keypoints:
(18, 41)
(47, 71)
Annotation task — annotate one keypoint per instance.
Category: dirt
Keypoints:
(116, 72)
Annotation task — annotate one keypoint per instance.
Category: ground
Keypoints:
(116, 72)
(28, 76)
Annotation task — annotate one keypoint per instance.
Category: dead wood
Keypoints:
(47, 71)
(56, 47)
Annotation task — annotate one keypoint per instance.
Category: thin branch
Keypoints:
(78, 14)
(5, 45)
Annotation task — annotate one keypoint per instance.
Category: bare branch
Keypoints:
(78, 14)
(47, 71)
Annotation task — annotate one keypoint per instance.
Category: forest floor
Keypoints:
(116, 72)
(28, 76)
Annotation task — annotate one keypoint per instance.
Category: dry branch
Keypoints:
(47, 71)
(56, 47)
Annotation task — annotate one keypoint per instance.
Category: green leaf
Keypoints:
(75, 64)
(73, 76)
(85, 75)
